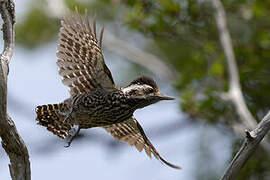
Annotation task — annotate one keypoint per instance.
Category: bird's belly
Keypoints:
(88, 119)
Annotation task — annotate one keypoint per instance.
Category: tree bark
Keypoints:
(11, 141)
(250, 144)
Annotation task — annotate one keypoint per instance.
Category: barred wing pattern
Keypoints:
(130, 131)
(81, 62)
(51, 116)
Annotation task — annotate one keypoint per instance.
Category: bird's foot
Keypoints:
(72, 134)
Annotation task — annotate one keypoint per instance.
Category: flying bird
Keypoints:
(95, 100)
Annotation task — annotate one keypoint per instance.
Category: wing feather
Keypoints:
(80, 58)
(130, 131)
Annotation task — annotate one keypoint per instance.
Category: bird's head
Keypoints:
(144, 91)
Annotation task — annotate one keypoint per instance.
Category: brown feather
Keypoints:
(81, 62)
(49, 116)
(131, 132)
(101, 36)
(94, 26)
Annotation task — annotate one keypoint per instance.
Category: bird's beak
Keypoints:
(162, 97)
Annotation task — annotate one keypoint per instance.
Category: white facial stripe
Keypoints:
(135, 86)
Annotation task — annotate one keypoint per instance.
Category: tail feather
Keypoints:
(49, 116)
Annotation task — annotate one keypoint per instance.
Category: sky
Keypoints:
(33, 80)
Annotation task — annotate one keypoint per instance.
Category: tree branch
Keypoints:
(250, 144)
(11, 141)
(234, 93)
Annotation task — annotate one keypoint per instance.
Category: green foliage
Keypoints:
(39, 27)
(99, 8)
(186, 33)
(36, 28)
(71, 4)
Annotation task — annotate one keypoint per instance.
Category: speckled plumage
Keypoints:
(95, 100)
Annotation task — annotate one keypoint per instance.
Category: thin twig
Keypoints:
(234, 94)
(248, 147)
(11, 141)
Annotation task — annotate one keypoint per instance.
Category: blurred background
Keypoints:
(176, 43)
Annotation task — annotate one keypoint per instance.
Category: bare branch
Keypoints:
(250, 144)
(235, 93)
(8, 16)
(11, 141)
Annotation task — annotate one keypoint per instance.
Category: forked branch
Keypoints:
(234, 93)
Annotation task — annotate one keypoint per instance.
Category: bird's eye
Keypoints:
(151, 90)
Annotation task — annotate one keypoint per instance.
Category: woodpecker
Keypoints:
(95, 100)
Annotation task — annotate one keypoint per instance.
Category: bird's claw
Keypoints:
(72, 135)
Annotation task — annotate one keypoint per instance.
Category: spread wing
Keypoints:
(130, 131)
(80, 58)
